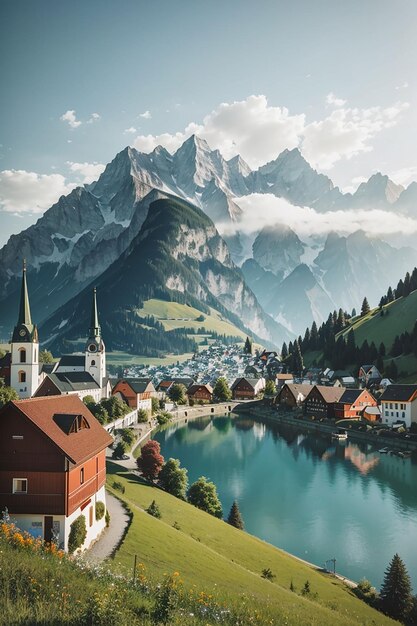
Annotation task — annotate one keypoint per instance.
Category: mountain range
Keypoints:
(97, 227)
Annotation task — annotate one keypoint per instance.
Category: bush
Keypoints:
(118, 486)
(267, 574)
(107, 518)
(143, 415)
(155, 405)
(163, 417)
(78, 533)
(119, 450)
(153, 509)
(100, 510)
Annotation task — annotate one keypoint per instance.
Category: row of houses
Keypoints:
(396, 405)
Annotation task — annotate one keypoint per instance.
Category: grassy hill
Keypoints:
(215, 559)
(399, 316)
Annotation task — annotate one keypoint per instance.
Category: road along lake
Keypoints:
(305, 493)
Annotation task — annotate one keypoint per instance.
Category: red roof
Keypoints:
(47, 414)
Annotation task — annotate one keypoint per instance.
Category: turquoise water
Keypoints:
(305, 493)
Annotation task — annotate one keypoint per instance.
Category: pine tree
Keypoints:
(390, 295)
(353, 312)
(298, 363)
(400, 290)
(284, 351)
(396, 596)
(351, 347)
(248, 346)
(407, 284)
(235, 518)
(341, 322)
(314, 336)
(365, 307)
(382, 350)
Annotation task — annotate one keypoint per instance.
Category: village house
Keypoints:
(399, 404)
(282, 379)
(52, 467)
(321, 400)
(247, 388)
(200, 393)
(135, 392)
(369, 375)
(352, 404)
(292, 394)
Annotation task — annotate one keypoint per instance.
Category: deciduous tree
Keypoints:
(203, 495)
(173, 478)
(222, 390)
(151, 460)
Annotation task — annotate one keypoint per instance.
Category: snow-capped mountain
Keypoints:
(82, 234)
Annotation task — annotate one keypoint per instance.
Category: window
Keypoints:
(396, 405)
(22, 377)
(403, 414)
(20, 485)
(22, 352)
(390, 405)
(93, 362)
(81, 476)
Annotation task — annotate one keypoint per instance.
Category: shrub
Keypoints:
(118, 486)
(107, 518)
(143, 415)
(203, 495)
(267, 574)
(305, 591)
(119, 450)
(100, 510)
(155, 405)
(128, 435)
(163, 417)
(78, 533)
(153, 509)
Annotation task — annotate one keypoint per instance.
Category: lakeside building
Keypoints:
(399, 404)
(53, 467)
(135, 392)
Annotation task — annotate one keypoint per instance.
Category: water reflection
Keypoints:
(306, 493)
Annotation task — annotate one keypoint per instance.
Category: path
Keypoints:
(111, 536)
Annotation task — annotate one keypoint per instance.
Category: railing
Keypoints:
(122, 422)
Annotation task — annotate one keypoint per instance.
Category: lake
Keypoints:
(301, 491)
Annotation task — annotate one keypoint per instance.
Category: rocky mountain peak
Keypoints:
(378, 190)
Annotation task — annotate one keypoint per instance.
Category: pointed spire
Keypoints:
(95, 330)
(24, 310)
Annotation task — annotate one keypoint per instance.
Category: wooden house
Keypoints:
(321, 400)
(52, 466)
(352, 404)
(292, 394)
(247, 388)
(136, 392)
(200, 393)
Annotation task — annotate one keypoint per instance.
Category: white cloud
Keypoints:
(404, 176)
(22, 191)
(259, 132)
(403, 86)
(88, 172)
(70, 117)
(146, 115)
(261, 210)
(249, 127)
(131, 130)
(346, 132)
(94, 118)
(332, 100)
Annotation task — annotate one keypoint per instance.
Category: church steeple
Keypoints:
(95, 351)
(95, 329)
(25, 330)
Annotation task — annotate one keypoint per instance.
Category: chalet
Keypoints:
(52, 466)
(321, 400)
(352, 404)
(247, 388)
(200, 393)
(282, 379)
(399, 404)
(136, 392)
(165, 384)
(369, 375)
(292, 395)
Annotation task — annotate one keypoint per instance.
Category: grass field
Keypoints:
(215, 558)
(174, 315)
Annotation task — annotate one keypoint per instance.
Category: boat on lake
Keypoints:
(340, 436)
(383, 451)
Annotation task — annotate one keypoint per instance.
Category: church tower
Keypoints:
(24, 368)
(95, 351)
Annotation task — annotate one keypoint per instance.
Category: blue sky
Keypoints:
(337, 77)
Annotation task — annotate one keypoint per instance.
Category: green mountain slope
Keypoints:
(214, 558)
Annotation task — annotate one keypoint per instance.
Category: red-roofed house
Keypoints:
(52, 466)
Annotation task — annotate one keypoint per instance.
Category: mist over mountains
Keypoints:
(292, 270)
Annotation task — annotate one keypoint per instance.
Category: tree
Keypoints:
(173, 479)
(151, 460)
(155, 405)
(396, 596)
(284, 351)
(7, 394)
(365, 307)
(248, 346)
(390, 295)
(119, 450)
(115, 407)
(221, 390)
(45, 356)
(203, 495)
(270, 388)
(178, 393)
(298, 363)
(153, 509)
(235, 518)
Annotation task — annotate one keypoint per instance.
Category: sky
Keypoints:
(81, 80)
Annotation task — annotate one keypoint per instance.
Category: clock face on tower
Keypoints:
(92, 347)
(22, 332)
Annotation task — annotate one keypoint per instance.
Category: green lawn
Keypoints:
(213, 557)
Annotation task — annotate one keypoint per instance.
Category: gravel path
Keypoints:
(111, 536)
